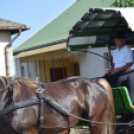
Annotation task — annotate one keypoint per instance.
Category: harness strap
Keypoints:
(10, 81)
(55, 105)
(18, 105)
(3, 96)
(5, 91)
(14, 81)
(13, 91)
(40, 93)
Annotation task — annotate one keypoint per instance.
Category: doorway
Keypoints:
(58, 74)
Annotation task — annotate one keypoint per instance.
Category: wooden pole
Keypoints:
(63, 67)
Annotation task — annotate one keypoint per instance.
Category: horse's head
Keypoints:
(6, 90)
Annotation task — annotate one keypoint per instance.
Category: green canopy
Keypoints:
(96, 29)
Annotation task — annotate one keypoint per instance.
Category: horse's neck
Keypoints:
(25, 93)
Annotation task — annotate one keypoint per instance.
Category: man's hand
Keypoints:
(110, 58)
(111, 69)
(128, 70)
(114, 71)
(109, 72)
(124, 68)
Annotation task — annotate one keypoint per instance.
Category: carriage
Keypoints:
(96, 29)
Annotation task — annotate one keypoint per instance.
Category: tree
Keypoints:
(123, 3)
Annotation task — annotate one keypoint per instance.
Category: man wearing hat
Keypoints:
(127, 78)
(122, 59)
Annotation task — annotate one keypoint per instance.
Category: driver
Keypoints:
(128, 77)
(122, 59)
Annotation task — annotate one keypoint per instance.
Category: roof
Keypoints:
(41, 50)
(97, 27)
(58, 29)
(8, 25)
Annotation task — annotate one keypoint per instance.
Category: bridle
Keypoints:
(3, 90)
(7, 87)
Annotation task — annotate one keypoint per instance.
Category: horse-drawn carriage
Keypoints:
(96, 29)
(57, 106)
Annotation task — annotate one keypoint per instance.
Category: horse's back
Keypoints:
(77, 90)
(72, 85)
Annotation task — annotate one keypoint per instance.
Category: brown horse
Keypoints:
(77, 95)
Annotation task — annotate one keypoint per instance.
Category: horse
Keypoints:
(92, 100)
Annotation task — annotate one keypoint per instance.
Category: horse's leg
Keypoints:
(97, 115)
(103, 115)
(94, 127)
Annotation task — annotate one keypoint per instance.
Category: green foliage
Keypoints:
(123, 3)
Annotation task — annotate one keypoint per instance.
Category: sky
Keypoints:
(36, 13)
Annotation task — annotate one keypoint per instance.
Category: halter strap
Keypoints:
(3, 82)
(5, 86)
(12, 82)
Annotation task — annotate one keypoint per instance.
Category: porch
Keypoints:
(49, 66)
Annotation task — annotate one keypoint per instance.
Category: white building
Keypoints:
(7, 29)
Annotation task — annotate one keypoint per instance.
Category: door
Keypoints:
(58, 74)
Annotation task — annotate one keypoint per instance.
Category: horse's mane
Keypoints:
(22, 80)
(27, 82)
(18, 82)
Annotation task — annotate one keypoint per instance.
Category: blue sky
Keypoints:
(36, 13)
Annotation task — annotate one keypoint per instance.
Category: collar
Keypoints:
(121, 48)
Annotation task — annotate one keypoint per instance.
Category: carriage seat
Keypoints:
(122, 100)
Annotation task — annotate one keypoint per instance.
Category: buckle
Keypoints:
(40, 91)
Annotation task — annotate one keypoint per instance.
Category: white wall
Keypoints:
(5, 38)
(17, 67)
(92, 66)
(32, 69)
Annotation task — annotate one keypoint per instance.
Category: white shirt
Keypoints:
(132, 67)
(122, 57)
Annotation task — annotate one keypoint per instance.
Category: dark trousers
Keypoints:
(112, 79)
(128, 80)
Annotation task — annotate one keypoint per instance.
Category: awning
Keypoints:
(97, 27)
(42, 50)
